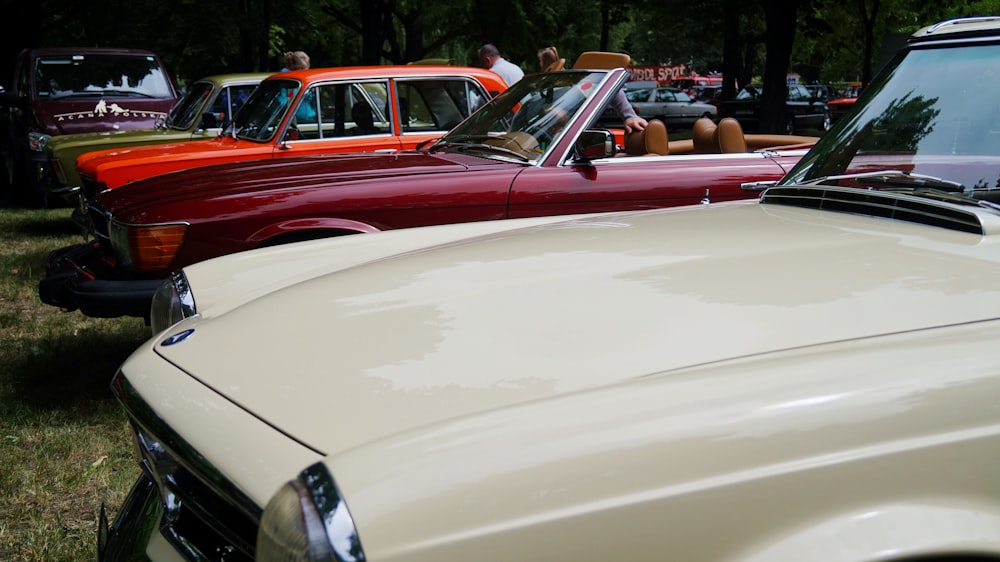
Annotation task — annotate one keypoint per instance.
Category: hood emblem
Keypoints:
(177, 338)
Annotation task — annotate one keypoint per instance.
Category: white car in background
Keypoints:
(673, 106)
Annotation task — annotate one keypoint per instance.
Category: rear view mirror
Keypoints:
(593, 144)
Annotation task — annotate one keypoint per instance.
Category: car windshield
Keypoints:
(673, 94)
(190, 107)
(264, 110)
(100, 75)
(523, 122)
(638, 95)
(929, 121)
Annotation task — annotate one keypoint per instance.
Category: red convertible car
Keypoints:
(316, 111)
(531, 151)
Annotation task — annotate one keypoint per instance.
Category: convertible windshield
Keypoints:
(261, 115)
(524, 121)
(918, 130)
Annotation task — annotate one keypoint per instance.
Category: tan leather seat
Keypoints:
(602, 60)
(703, 136)
(729, 136)
(650, 141)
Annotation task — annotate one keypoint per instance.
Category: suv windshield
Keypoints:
(525, 120)
(96, 75)
(931, 115)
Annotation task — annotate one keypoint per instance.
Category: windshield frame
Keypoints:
(550, 107)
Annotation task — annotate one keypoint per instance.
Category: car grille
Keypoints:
(204, 515)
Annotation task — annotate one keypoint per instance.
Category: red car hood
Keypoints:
(273, 175)
(85, 115)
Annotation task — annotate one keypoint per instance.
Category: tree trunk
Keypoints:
(780, 17)
(731, 59)
(868, 18)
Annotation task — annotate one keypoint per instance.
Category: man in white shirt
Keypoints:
(489, 57)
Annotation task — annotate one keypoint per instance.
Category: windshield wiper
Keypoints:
(918, 184)
(126, 93)
(896, 178)
(83, 94)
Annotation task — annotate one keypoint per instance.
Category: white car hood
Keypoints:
(468, 326)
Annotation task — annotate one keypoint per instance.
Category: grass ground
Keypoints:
(64, 441)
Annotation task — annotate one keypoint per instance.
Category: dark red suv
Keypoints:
(58, 91)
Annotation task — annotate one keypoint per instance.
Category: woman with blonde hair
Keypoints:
(549, 61)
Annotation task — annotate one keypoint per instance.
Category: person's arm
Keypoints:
(625, 110)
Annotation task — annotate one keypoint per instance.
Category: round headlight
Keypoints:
(172, 302)
(307, 521)
(38, 141)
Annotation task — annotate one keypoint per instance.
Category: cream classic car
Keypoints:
(811, 376)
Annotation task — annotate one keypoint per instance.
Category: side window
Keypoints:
(367, 109)
(437, 105)
(342, 110)
(236, 96)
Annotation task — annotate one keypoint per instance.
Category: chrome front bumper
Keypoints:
(133, 528)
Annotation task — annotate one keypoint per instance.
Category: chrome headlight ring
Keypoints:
(172, 302)
(307, 520)
(37, 141)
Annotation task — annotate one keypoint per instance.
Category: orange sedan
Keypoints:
(311, 112)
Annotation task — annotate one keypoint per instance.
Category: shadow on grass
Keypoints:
(51, 227)
(37, 222)
(68, 372)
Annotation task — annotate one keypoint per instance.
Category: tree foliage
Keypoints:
(828, 40)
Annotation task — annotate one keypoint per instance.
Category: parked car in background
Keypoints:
(811, 376)
(57, 91)
(544, 159)
(671, 105)
(708, 94)
(842, 104)
(822, 92)
(205, 109)
(310, 112)
(802, 110)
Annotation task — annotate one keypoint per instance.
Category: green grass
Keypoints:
(64, 441)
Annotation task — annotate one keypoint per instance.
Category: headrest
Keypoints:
(558, 65)
(602, 60)
(651, 140)
(729, 136)
(702, 136)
